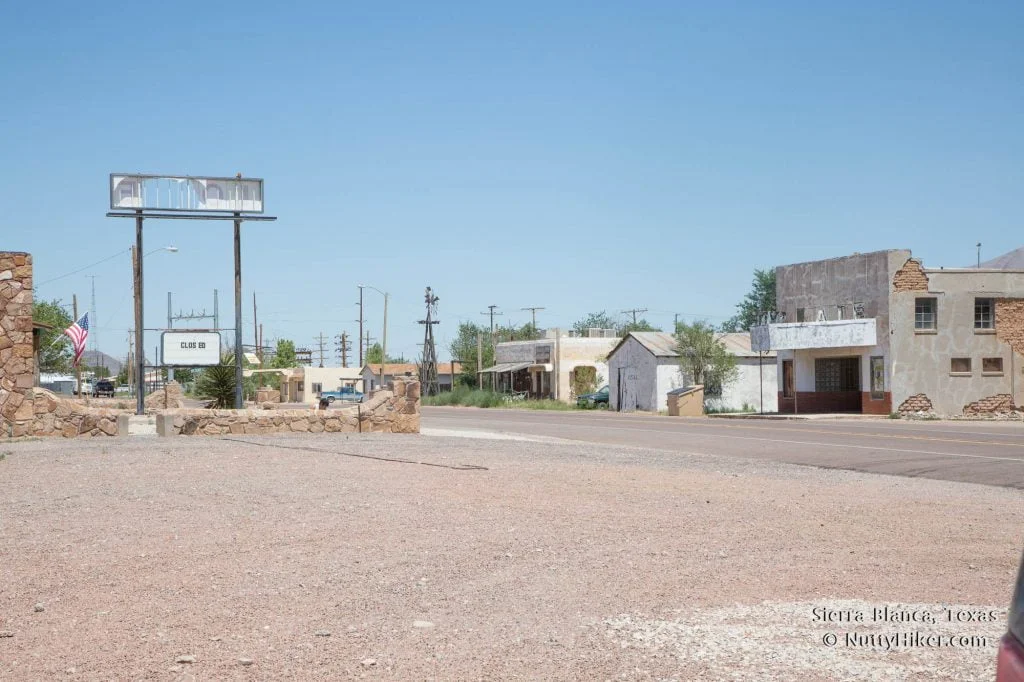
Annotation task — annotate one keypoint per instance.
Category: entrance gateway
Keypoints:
(185, 197)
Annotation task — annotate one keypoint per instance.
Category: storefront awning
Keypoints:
(803, 335)
(506, 367)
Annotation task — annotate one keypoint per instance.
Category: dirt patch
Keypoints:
(412, 557)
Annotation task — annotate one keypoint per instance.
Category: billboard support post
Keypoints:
(238, 313)
(183, 197)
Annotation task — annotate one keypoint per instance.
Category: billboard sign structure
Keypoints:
(190, 349)
(185, 193)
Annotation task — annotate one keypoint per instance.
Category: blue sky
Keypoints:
(576, 156)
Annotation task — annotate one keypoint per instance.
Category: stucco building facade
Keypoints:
(879, 333)
(544, 368)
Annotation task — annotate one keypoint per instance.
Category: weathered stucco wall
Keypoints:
(394, 411)
(921, 359)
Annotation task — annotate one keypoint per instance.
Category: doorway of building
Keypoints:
(836, 385)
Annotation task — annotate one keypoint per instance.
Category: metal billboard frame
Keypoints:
(140, 214)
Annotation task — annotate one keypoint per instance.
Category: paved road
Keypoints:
(978, 452)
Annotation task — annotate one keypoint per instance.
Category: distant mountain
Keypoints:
(95, 358)
(1014, 260)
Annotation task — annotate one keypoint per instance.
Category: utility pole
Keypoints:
(428, 368)
(533, 312)
(634, 312)
(78, 368)
(95, 324)
(492, 314)
(321, 341)
(170, 324)
(216, 313)
(361, 363)
(479, 361)
(344, 346)
(255, 328)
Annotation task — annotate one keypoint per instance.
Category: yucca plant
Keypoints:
(217, 383)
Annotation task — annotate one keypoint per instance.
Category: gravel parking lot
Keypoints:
(444, 557)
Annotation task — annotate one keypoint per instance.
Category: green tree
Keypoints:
(375, 355)
(122, 376)
(217, 383)
(703, 358)
(55, 353)
(601, 320)
(463, 350)
(526, 332)
(759, 300)
(284, 355)
(638, 326)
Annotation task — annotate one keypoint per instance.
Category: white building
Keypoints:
(547, 368)
(644, 367)
(447, 373)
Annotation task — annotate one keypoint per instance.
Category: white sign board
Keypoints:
(186, 193)
(190, 349)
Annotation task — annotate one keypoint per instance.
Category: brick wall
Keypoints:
(1010, 322)
(815, 402)
(868, 405)
(915, 403)
(910, 277)
(1000, 403)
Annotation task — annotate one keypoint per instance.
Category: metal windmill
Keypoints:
(428, 368)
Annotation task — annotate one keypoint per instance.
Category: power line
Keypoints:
(492, 314)
(321, 342)
(75, 272)
(533, 313)
(634, 312)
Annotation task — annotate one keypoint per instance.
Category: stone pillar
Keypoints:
(17, 362)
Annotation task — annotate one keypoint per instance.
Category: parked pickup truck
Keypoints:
(345, 394)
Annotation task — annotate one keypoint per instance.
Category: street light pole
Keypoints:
(140, 362)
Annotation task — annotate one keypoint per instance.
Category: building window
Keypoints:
(984, 316)
(787, 378)
(877, 378)
(960, 366)
(840, 312)
(318, 388)
(800, 314)
(991, 365)
(833, 375)
(925, 313)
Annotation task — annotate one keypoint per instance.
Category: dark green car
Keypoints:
(599, 397)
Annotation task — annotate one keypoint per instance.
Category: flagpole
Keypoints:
(78, 369)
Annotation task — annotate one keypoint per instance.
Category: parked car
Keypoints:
(346, 394)
(598, 397)
(1010, 662)
(85, 389)
(103, 387)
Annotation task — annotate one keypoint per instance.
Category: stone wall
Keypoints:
(25, 410)
(393, 411)
(169, 397)
(17, 366)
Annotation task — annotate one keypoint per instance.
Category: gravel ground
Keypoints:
(444, 557)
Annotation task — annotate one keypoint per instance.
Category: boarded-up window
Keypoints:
(877, 378)
(787, 378)
(960, 365)
(992, 365)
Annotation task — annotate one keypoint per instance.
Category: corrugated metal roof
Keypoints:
(507, 367)
(662, 344)
(738, 343)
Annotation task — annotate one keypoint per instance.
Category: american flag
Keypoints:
(78, 333)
